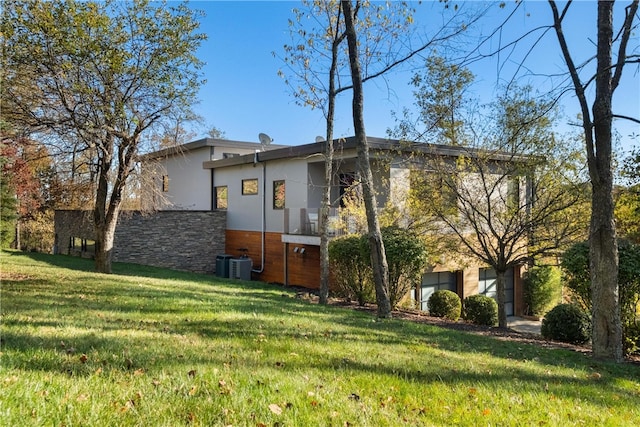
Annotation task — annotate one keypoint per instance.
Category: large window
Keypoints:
(487, 285)
(278, 194)
(432, 282)
(221, 197)
(250, 186)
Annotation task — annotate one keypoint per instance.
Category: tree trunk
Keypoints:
(105, 212)
(328, 176)
(378, 256)
(603, 250)
(105, 234)
(500, 294)
(607, 327)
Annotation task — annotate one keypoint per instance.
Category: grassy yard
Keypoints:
(153, 347)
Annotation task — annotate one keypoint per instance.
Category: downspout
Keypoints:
(264, 220)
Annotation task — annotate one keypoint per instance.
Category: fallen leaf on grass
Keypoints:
(275, 409)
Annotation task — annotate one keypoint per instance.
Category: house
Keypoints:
(272, 195)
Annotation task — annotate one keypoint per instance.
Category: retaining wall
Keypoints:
(181, 240)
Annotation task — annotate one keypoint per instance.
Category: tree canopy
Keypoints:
(93, 80)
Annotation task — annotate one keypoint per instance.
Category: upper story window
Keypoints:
(165, 183)
(278, 194)
(229, 155)
(250, 186)
(221, 197)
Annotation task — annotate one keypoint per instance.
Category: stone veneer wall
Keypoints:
(181, 240)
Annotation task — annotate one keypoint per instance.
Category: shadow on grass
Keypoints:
(126, 326)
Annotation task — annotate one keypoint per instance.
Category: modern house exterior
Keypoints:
(272, 197)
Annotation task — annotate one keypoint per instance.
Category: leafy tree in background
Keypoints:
(8, 205)
(441, 99)
(22, 195)
(96, 78)
(593, 77)
(627, 198)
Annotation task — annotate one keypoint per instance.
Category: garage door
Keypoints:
(432, 282)
(487, 286)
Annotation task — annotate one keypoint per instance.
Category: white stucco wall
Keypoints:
(245, 211)
(189, 184)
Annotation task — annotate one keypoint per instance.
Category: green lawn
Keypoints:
(153, 347)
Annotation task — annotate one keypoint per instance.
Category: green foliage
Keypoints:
(627, 213)
(407, 260)
(445, 303)
(439, 92)
(542, 289)
(100, 77)
(575, 267)
(350, 269)
(567, 323)
(576, 273)
(629, 280)
(8, 208)
(481, 310)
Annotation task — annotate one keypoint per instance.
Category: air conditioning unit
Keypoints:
(240, 268)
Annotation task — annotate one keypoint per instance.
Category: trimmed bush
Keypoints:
(481, 310)
(445, 303)
(567, 323)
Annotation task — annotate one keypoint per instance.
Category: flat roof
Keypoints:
(208, 142)
(375, 144)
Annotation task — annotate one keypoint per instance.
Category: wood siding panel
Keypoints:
(304, 269)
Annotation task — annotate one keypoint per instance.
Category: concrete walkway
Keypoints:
(521, 324)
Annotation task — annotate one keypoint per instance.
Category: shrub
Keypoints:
(542, 289)
(575, 267)
(406, 258)
(445, 303)
(481, 310)
(567, 323)
(350, 269)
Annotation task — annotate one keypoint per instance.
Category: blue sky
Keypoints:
(244, 95)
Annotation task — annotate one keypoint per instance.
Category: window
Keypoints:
(221, 197)
(432, 282)
(278, 194)
(229, 155)
(250, 186)
(165, 183)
